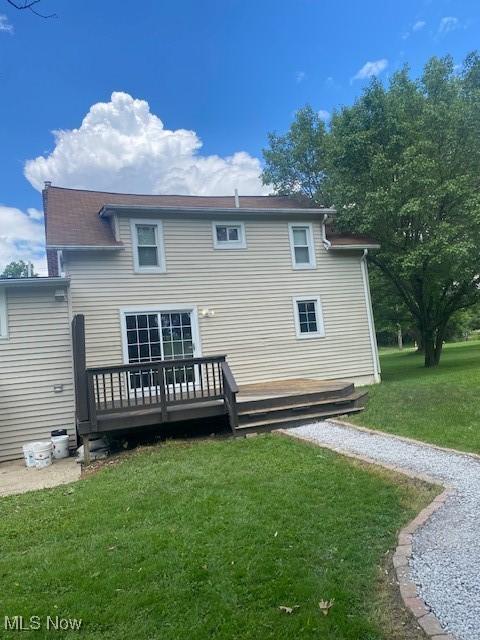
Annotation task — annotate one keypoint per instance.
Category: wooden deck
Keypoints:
(127, 396)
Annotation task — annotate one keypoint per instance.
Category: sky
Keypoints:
(178, 96)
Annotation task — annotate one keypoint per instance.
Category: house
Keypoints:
(36, 368)
(264, 308)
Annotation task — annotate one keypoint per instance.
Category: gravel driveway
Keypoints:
(446, 550)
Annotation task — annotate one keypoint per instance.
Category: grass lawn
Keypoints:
(207, 540)
(439, 405)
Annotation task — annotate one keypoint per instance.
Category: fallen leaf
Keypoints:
(325, 606)
(288, 609)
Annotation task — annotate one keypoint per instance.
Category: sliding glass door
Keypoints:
(163, 335)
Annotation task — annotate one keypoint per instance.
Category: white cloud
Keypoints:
(418, 25)
(5, 26)
(22, 237)
(300, 76)
(324, 115)
(371, 69)
(448, 24)
(122, 146)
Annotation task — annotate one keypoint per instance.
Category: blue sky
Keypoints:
(227, 70)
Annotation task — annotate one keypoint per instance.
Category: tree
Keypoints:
(30, 5)
(403, 165)
(19, 269)
(296, 161)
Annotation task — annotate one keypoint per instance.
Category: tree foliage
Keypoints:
(18, 269)
(402, 164)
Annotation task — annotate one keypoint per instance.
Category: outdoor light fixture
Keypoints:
(207, 313)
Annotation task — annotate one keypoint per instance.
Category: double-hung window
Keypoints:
(3, 314)
(148, 251)
(308, 317)
(301, 246)
(229, 235)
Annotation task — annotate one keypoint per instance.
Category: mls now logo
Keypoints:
(55, 623)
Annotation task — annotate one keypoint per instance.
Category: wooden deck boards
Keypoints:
(280, 388)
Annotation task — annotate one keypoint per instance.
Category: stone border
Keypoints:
(403, 552)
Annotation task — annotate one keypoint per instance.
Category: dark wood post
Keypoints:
(79, 367)
(163, 396)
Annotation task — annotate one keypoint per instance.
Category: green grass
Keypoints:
(207, 540)
(439, 405)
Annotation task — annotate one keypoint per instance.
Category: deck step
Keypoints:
(295, 397)
(246, 414)
(292, 421)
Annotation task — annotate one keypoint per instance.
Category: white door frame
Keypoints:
(161, 308)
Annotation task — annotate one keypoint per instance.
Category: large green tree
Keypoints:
(403, 165)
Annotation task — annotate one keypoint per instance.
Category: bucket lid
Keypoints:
(58, 432)
(42, 446)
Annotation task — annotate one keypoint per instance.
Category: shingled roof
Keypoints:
(72, 216)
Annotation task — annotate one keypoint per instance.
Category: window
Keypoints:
(301, 245)
(3, 314)
(308, 317)
(229, 235)
(147, 239)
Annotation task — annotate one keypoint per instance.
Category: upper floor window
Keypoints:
(148, 251)
(3, 314)
(301, 246)
(229, 235)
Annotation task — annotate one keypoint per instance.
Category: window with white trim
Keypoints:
(301, 246)
(308, 317)
(3, 314)
(148, 251)
(229, 235)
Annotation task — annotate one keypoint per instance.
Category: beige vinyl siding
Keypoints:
(35, 357)
(250, 290)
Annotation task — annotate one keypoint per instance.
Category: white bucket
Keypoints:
(28, 454)
(42, 452)
(60, 447)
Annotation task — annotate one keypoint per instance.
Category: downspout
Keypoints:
(371, 322)
(326, 243)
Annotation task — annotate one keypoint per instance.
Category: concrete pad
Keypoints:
(16, 478)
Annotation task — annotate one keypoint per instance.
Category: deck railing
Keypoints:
(149, 385)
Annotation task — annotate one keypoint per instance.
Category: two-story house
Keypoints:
(255, 298)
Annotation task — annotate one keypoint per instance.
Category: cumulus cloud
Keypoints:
(448, 24)
(122, 146)
(5, 26)
(22, 237)
(371, 69)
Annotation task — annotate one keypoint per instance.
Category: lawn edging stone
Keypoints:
(417, 607)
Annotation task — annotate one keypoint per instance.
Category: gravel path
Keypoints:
(446, 550)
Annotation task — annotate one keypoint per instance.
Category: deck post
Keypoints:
(79, 367)
(163, 395)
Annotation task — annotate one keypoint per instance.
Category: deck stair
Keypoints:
(290, 403)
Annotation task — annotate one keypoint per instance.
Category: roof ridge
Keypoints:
(169, 195)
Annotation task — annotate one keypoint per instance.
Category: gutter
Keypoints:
(109, 209)
(86, 247)
(40, 281)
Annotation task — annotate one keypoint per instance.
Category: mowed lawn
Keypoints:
(207, 540)
(439, 405)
